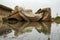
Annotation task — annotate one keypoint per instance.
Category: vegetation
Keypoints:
(57, 19)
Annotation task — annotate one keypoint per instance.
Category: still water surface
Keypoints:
(30, 31)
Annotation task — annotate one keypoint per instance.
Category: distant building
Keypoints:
(5, 11)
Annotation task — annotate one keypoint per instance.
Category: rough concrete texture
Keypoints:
(43, 14)
(47, 14)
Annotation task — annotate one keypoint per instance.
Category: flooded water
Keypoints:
(30, 31)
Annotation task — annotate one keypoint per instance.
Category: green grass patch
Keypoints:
(57, 18)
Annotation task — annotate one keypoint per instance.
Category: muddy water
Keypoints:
(30, 31)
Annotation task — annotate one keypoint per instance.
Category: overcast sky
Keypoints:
(34, 5)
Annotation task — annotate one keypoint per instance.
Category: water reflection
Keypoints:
(25, 27)
(4, 29)
(22, 27)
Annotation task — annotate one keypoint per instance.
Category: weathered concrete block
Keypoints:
(1, 18)
(47, 14)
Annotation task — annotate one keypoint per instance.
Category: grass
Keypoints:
(57, 18)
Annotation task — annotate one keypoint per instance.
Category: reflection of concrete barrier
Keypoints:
(23, 27)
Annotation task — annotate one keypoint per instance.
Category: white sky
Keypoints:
(34, 5)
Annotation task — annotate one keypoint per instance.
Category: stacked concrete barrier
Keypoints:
(47, 15)
(23, 14)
